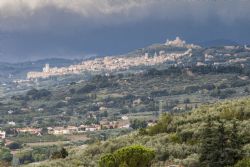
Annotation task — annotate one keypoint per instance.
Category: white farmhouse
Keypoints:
(2, 134)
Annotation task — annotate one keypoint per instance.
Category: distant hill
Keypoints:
(218, 42)
(193, 55)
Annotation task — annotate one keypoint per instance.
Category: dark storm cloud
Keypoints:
(35, 29)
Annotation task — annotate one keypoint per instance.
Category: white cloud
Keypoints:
(83, 7)
(25, 14)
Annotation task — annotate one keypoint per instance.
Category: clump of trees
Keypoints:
(164, 125)
(35, 94)
(131, 156)
(37, 154)
(137, 124)
(86, 89)
(222, 94)
(62, 153)
(14, 145)
(209, 69)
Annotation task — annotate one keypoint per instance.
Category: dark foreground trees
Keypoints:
(220, 147)
(132, 156)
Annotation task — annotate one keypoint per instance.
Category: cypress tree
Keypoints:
(222, 145)
(235, 152)
(220, 148)
(209, 153)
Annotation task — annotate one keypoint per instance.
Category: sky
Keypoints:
(38, 29)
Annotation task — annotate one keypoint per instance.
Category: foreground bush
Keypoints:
(131, 156)
(5, 155)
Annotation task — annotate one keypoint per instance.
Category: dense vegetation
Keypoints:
(211, 134)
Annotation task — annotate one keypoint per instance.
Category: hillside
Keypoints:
(179, 83)
(94, 107)
(135, 95)
(104, 100)
(176, 139)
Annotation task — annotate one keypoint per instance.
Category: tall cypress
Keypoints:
(235, 152)
(222, 145)
(220, 148)
(209, 153)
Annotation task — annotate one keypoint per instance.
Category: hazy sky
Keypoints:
(36, 29)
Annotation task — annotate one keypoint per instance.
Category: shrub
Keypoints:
(124, 111)
(185, 135)
(164, 125)
(5, 155)
(108, 160)
(35, 94)
(243, 163)
(14, 145)
(131, 156)
(86, 89)
(137, 124)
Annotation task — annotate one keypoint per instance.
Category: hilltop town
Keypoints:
(119, 63)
